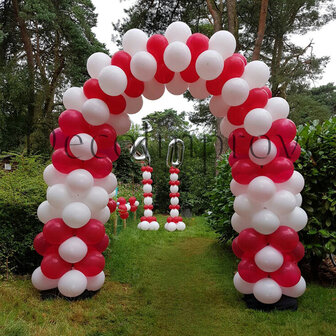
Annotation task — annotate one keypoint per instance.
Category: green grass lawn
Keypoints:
(160, 284)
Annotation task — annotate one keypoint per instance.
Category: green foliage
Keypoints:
(317, 164)
(21, 192)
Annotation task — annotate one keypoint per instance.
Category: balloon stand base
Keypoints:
(285, 303)
(54, 294)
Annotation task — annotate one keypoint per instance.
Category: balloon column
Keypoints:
(267, 189)
(123, 208)
(174, 221)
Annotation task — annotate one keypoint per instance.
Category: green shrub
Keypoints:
(317, 164)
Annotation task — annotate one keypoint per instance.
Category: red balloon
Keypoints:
(233, 67)
(257, 98)
(298, 253)
(285, 239)
(132, 200)
(133, 208)
(57, 139)
(233, 158)
(283, 129)
(103, 244)
(135, 87)
(112, 205)
(98, 167)
(72, 122)
(236, 249)
(123, 215)
(156, 45)
(240, 141)
(64, 162)
(249, 240)
(104, 135)
(41, 245)
(121, 200)
(290, 150)
(249, 271)
(279, 170)
(190, 75)
(163, 74)
(92, 232)
(287, 275)
(112, 153)
(92, 264)
(244, 171)
(241, 57)
(53, 266)
(122, 59)
(268, 91)
(56, 231)
(116, 104)
(92, 89)
(237, 114)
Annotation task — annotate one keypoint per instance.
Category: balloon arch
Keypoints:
(267, 189)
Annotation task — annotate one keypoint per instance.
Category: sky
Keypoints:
(111, 10)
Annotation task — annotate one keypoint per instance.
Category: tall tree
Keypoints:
(44, 48)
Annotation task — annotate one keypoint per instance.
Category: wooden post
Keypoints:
(134, 215)
(115, 225)
(124, 222)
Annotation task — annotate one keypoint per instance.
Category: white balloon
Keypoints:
(269, 259)
(256, 74)
(95, 111)
(96, 199)
(133, 105)
(177, 56)
(58, 196)
(73, 250)
(296, 219)
(148, 200)
(237, 188)
(76, 214)
(128, 207)
(177, 85)
(209, 64)
(72, 283)
(96, 63)
(102, 215)
(261, 189)
(112, 80)
(147, 188)
(295, 291)
(265, 222)
(295, 184)
(94, 283)
(174, 189)
(79, 181)
(298, 198)
(136, 203)
(258, 122)
(262, 152)
(83, 146)
(174, 212)
(267, 291)
(143, 66)
(153, 90)
(174, 201)
(223, 42)
(170, 226)
(278, 108)
(235, 91)
(109, 183)
(218, 107)
(243, 206)
(41, 282)
(139, 226)
(226, 127)
(239, 223)
(120, 122)
(52, 176)
(154, 226)
(134, 40)
(148, 213)
(241, 285)
(146, 175)
(282, 202)
(177, 31)
(198, 89)
(180, 226)
(144, 225)
(173, 177)
(74, 98)
(46, 211)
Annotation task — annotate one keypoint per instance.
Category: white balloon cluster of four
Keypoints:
(174, 220)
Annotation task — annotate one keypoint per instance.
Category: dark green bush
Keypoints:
(21, 192)
(317, 164)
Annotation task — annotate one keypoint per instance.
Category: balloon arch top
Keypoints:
(267, 189)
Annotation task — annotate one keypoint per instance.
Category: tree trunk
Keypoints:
(232, 18)
(261, 30)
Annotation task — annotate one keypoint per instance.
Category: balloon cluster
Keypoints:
(133, 203)
(112, 205)
(123, 208)
(148, 222)
(174, 221)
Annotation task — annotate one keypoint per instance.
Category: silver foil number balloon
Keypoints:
(139, 150)
(175, 153)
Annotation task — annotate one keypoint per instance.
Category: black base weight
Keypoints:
(285, 303)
